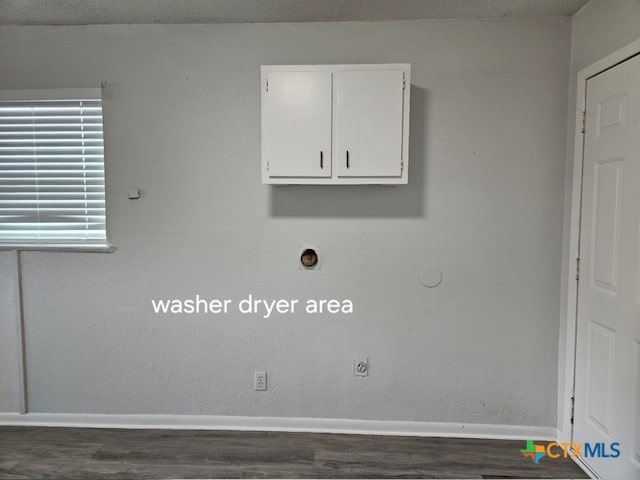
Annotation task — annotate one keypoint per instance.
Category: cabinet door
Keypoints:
(299, 124)
(368, 123)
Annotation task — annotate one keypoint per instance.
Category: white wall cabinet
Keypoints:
(298, 124)
(335, 124)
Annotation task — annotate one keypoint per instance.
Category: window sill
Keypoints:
(53, 247)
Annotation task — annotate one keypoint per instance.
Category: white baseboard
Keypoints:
(280, 424)
(563, 436)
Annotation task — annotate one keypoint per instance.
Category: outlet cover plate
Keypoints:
(260, 381)
(360, 366)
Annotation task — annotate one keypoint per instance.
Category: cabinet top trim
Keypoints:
(335, 68)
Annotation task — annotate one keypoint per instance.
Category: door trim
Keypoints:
(565, 431)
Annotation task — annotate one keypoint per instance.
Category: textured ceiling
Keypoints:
(88, 12)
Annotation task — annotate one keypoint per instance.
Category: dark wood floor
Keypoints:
(74, 453)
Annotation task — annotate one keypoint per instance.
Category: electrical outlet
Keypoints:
(260, 381)
(360, 366)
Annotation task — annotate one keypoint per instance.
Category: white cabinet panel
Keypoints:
(368, 123)
(299, 124)
(335, 124)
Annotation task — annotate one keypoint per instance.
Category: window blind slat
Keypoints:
(52, 172)
(90, 131)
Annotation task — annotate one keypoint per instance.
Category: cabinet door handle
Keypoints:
(321, 159)
(348, 166)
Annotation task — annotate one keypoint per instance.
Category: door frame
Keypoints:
(565, 430)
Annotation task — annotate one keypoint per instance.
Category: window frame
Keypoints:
(52, 94)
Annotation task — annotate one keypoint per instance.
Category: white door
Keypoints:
(299, 124)
(607, 384)
(368, 123)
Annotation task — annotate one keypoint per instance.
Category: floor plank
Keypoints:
(105, 454)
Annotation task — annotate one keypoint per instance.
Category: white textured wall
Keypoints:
(601, 27)
(484, 203)
(9, 380)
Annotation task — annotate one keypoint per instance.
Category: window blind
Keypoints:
(52, 189)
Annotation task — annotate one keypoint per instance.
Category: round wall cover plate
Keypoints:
(430, 276)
